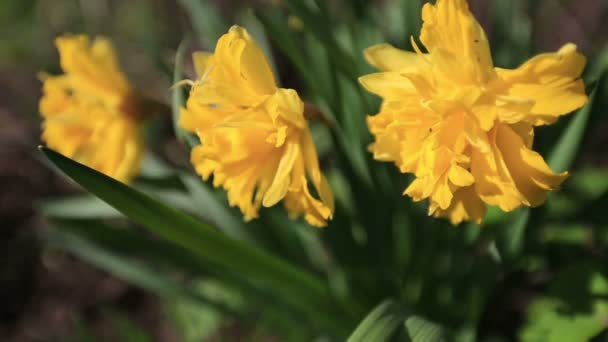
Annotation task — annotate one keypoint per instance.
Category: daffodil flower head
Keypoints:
(463, 127)
(255, 140)
(90, 112)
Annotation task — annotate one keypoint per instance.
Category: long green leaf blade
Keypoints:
(178, 96)
(296, 287)
(421, 330)
(129, 271)
(567, 147)
(380, 324)
(207, 20)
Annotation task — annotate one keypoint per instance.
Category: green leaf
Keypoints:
(566, 149)
(421, 330)
(86, 206)
(214, 211)
(178, 96)
(128, 270)
(590, 183)
(512, 28)
(412, 21)
(575, 309)
(495, 216)
(599, 64)
(294, 286)
(129, 331)
(153, 167)
(285, 41)
(79, 206)
(206, 19)
(128, 242)
(380, 324)
(512, 239)
(199, 323)
(547, 324)
(575, 234)
(385, 320)
(316, 21)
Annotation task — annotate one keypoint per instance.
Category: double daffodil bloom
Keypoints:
(463, 127)
(254, 137)
(90, 112)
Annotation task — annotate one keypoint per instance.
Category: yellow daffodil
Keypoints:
(254, 137)
(463, 127)
(90, 112)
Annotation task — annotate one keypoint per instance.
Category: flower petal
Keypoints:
(466, 206)
(386, 57)
(327, 195)
(286, 104)
(300, 202)
(450, 26)
(418, 189)
(460, 176)
(531, 174)
(551, 81)
(493, 182)
(280, 184)
(388, 85)
(238, 47)
(201, 60)
(443, 193)
(239, 74)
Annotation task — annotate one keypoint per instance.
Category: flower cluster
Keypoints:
(463, 127)
(254, 137)
(91, 113)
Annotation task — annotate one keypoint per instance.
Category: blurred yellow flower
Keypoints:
(463, 127)
(254, 137)
(90, 112)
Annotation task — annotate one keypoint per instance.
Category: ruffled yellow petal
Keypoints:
(512, 175)
(286, 105)
(311, 164)
(466, 206)
(493, 181)
(459, 176)
(386, 57)
(388, 85)
(281, 180)
(327, 198)
(198, 115)
(449, 26)
(239, 158)
(532, 176)
(386, 146)
(545, 78)
(301, 202)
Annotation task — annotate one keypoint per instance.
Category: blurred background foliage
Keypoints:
(74, 268)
